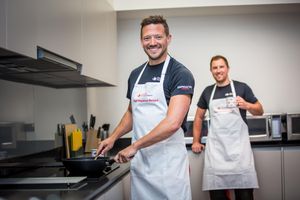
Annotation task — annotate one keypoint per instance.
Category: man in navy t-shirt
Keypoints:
(159, 92)
(228, 162)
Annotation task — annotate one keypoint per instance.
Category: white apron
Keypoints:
(160, 171)
(229, 160)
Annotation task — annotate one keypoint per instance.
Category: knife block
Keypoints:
(91, 140)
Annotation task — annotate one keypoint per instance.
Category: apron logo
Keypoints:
(228, 94)
(221, 109)
(144, 98)
(143, 95)
(156, 78)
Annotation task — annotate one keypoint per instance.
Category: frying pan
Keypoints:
(87, 166)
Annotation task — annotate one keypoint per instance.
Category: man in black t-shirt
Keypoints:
(178, 80)
(160, 93)
(229, 160)
(242, 90)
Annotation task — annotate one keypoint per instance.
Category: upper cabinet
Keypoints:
(59, 27)
(80, 30)
(99, 40)
(21, 25)
(2, 23)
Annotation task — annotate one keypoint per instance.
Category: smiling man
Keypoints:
(159, 93)
(229, 160)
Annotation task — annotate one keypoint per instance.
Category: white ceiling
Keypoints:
(126, 5)
(211, 10)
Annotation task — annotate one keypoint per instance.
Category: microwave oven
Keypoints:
(10, 133)
(268, 127)
(188, 135)
(293, 126)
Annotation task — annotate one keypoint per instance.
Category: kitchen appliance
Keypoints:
(188, 135)
(293, 126)
(87, 166)
(51, 176)
(268, 127)
(49, 69)
(62, 183)
(10, 133)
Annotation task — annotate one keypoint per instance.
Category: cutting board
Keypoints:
(91, 140)
(76, 140)
(68, 129)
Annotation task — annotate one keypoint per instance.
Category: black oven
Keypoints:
(293, 126)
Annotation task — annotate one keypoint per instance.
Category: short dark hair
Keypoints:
(218, 57)
(155, 19)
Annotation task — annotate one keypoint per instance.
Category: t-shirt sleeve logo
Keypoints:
(184, 87)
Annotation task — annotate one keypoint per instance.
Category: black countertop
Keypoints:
(262, 144)
(86, 189)
(47, 165)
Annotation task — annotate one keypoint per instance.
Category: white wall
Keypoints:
(44, 107)
(263, 50)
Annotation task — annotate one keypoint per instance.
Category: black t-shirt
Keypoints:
(241, 89)
(178, 79)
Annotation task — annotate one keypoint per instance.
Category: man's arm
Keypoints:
(123, 127)
(178, 107)
(197, 147)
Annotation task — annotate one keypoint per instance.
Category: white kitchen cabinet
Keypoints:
(196, 171)
(83, 31)
(2, 23)
(21, 19)
(119, 191)
(291, 160)
(99, 41)
(59, 27)
(115, 193)
(269, 172)
(126, 187)
(52, 24)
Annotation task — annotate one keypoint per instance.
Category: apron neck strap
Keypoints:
(163, 72)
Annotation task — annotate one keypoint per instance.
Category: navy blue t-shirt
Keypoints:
(178, 79)
(241, 89)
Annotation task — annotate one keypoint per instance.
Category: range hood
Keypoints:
(49, 69)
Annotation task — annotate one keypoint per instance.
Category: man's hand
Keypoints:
(197, 147)
(126, 154)
(105, 146)
(241, 103)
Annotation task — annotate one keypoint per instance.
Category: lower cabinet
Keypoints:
(196, 171)
(291, 160)
(268, 165)
(126, 187)
(115, 193)
(278, 172)
(119, 191)
(269, 173)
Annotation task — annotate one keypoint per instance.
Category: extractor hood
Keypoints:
(49, 69)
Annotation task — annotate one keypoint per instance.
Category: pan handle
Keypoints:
(110, 162)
